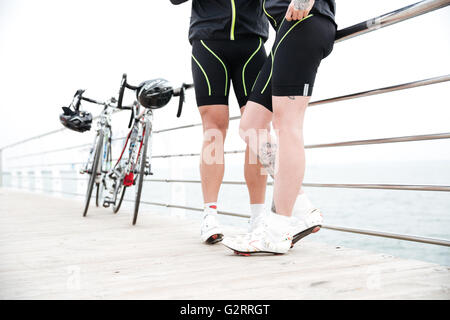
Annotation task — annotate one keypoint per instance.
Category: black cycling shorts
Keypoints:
(216, 62)
(291, 68)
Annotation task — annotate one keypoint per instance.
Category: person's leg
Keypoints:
(211, 81)
(254, 128)
(254, 174)
(288, 116)
(297, 56)
(215, 124)
(246, 62)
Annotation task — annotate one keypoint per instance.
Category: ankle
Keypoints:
(257, 209)
(210, 208)
(302, 205)
(278, 221)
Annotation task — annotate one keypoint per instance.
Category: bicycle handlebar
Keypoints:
(178, 92)
(95, 101)
(78, 97)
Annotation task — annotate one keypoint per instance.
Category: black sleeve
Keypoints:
(178, 1)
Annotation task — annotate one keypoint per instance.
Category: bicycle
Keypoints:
(132, 170)
(101, 148)
(127, 171)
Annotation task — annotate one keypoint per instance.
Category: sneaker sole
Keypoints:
(248, 254)
(214, 238)
(305, 233)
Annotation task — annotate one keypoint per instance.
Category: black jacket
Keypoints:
(276, 9)
(226, 19)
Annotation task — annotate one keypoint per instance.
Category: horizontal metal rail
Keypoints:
(32, 138)
(336, 99)
(441, 242)
(57, 178)
(373, 24)
(397, 236)
(47, 165)
(403, 86)
(398, 87)
(84, 145)
(390, 18)
(424, 137)
(44, 135)
(404, 187)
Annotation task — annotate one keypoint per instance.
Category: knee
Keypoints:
(214, 127)
(283, 124)
(215, 124)
(249, 127)
(244, 128)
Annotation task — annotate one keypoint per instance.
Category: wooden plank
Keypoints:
(48, 251)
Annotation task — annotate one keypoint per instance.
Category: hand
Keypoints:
(304, 6)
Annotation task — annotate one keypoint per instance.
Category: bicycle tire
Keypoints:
(116, 208)
(93, 173)
(140, 181)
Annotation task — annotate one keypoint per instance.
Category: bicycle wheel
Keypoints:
(116, 208)
(93, 174)
(141, 167)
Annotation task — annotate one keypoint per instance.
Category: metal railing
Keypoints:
(385, 20)
(388, 19)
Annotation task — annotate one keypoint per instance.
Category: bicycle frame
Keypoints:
(141, 122)
(104, 125)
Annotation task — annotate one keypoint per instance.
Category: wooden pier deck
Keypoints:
(48, 251)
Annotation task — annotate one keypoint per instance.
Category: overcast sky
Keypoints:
(50, 48)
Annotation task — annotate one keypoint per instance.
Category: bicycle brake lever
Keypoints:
(181, 101)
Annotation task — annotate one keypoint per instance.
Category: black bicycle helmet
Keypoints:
(154, 94)
(76, 120)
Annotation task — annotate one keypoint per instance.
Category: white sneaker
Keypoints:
(255, 222)
(258, 213)
(270, 237)
(306, 219)
(210, 231)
